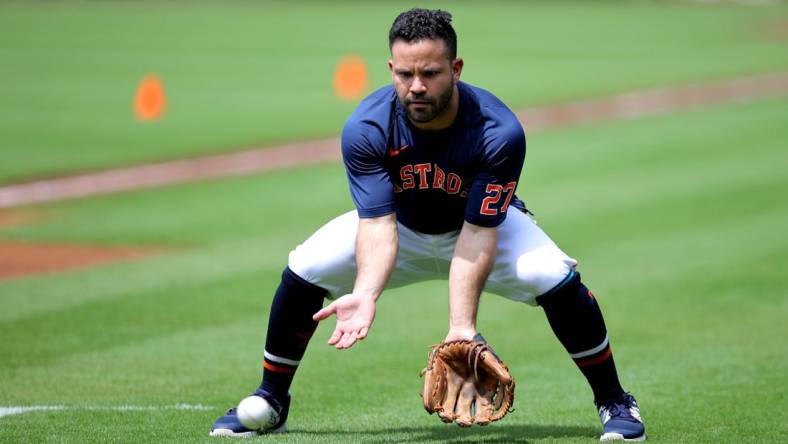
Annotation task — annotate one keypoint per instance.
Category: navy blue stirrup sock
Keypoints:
(576, 320)
(290, 326)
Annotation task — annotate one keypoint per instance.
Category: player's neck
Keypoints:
(444, 119)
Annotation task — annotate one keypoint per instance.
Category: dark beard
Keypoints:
(436, 106)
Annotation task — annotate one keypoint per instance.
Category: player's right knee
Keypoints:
(317, 265)
(298, 285)
(306, 270)
(304, 265)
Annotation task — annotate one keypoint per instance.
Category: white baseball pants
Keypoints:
(528, 263)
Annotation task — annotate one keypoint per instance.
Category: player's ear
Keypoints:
(391, 69)
(456, 69)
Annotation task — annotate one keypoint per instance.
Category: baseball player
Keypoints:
(433, 164)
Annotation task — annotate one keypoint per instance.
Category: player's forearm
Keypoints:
(376, 253)
(474, 256)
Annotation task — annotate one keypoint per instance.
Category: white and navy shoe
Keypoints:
(229, 425)
(621, 419)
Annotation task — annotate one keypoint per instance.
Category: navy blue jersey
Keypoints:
(434, 180)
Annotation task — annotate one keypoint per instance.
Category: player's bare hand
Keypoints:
(354, 313)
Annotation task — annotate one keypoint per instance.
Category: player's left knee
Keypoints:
(569, 288)
(571, 296)
(544, 270)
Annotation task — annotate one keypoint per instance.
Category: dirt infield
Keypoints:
(22, 258)
(19, 259)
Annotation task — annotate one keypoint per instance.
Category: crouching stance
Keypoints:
(433, 164)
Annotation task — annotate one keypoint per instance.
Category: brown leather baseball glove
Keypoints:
(467, 383)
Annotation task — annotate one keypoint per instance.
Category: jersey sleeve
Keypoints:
(363, 151)
(492, 190)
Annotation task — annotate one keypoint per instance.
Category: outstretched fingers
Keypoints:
(342, 339)
(335, 337)
(354, 316)
(348, 339)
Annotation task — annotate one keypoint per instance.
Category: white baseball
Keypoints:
(255, 413)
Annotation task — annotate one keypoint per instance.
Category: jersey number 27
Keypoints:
(489, 202)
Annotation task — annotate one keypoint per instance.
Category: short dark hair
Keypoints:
(422, 24)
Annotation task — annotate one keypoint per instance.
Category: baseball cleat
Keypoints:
(229, 425)
(621, 419)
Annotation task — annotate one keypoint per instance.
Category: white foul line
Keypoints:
(18, 410)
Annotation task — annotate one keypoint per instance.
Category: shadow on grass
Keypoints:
(454, 434)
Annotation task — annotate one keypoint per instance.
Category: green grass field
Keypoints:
(678, 223)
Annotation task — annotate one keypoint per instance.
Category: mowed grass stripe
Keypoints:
(268, 205)
(106, 323)
(651, 149)
(188, 364)
(191, 268)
